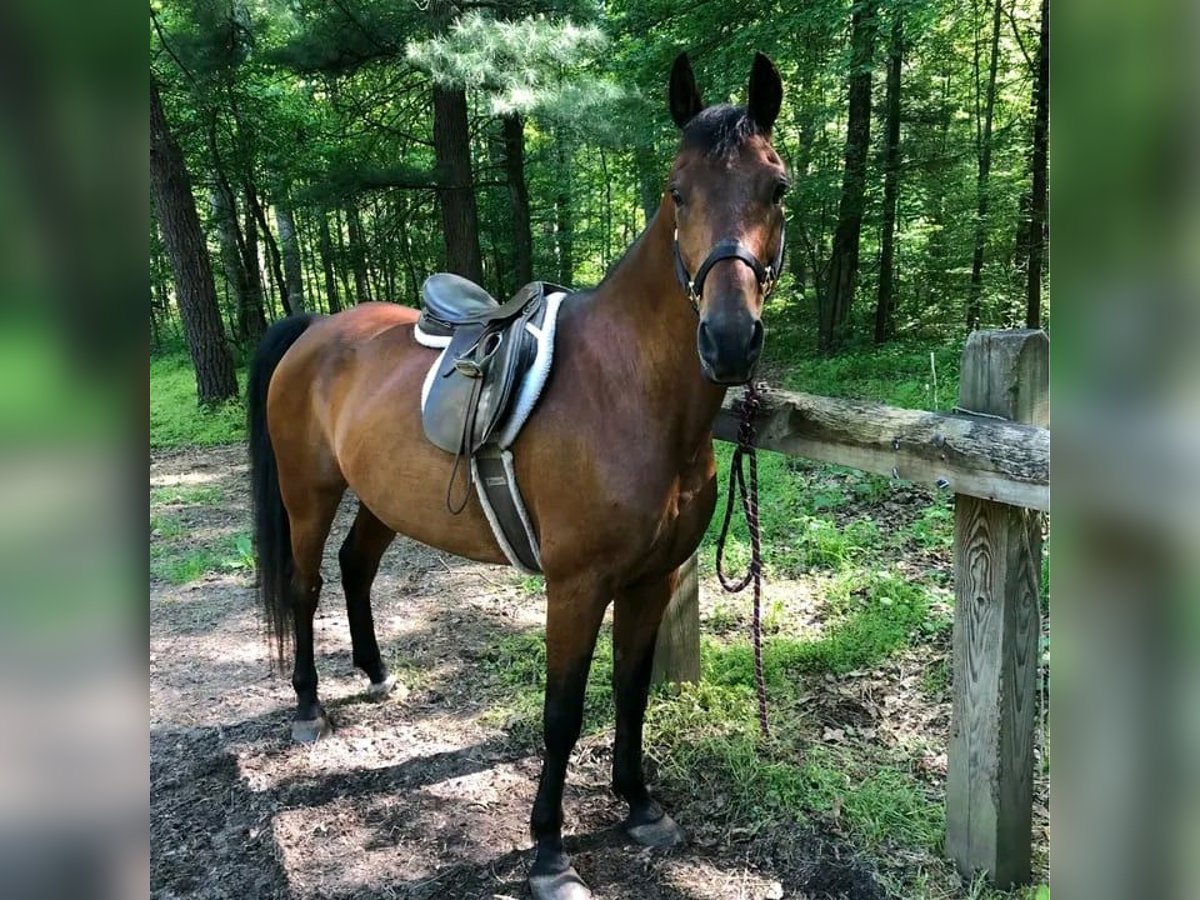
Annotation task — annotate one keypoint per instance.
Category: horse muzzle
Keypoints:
(729, 347)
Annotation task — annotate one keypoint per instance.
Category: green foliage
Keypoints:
(176, 420)
(518, 664)
(174, 560)
(191, 495)
(328, 105)
(871, 616)
(879, 805)
(934, 528)
(517, 63)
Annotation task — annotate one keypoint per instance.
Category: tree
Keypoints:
(885, 305)
(247, 286)
(185, 246)
(563, 147)
(843, 265)
(1039, 164)
(456, 188)
(292, 272)
(984, 149)
(358, 255)
(518, 193)
(327, 261)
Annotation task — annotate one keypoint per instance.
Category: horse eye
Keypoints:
(676, 196)
(780, 190)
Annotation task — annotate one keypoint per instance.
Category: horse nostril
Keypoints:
(707, 343)
(756, 342)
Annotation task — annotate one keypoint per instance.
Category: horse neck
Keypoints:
(654, 337)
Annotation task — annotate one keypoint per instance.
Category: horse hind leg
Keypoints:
(359, 559)
(311, 514)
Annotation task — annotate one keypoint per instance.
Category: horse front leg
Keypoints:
(575, 610)
(636, 618)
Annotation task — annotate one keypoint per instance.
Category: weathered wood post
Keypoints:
(677, 654)
(997, 626)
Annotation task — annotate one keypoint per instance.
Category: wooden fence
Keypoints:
(993, 453)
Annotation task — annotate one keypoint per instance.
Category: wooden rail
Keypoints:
(994, 455)
(985, 458)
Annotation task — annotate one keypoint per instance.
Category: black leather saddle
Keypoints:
(490, 349)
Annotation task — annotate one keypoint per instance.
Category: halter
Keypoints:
(727, 249)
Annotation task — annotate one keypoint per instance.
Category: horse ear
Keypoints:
(766, 92)
(684, 98)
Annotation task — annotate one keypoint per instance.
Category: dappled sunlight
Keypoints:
(189, 479)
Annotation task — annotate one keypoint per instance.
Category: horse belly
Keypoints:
(392, 467)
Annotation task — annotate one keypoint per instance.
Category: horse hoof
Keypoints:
(382, 689)
(565, 885)
(661, 833)
(309, 731)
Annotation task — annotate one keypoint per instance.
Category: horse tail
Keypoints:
(272, 531)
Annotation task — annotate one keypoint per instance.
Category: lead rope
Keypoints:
(747, 409)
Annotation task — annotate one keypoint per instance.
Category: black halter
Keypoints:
(727, 249)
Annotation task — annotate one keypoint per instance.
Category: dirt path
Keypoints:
(411, 797)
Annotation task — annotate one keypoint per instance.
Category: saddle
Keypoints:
(495, 358)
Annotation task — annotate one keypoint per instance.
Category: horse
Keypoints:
(616, 463)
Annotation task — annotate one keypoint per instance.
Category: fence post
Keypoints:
(997, 626)
(677, 654)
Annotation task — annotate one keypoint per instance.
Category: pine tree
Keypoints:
(185, 246)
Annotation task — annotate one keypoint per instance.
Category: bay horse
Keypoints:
(616, 463)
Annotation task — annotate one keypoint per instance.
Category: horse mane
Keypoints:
(718, 131)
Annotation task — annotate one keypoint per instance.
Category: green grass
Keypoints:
(872, 616)
(166, 527)
(518, 666)
(934, 528)
(177, 564)
(704, 737)
(898, 373)
(187, 495)
(705, 741)
(178, 420)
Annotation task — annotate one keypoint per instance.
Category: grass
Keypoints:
(177, 420)
(899, 373)
(708, 731)
(176, 562)
(187, 495)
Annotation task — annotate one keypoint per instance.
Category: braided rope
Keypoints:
(747, 408)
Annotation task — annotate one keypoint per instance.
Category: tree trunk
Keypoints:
(984, 139)
(250, 254)
(272, 247)
(358, 255)
(518, 194)
(885, 304)
(251, 320)
(563, 221)
(1037, 206)
(456, 190)
(184, 242)
(375, 256)
(326, 248)
(342, 254)
(650, 185)
(293, 274)
(843, 264)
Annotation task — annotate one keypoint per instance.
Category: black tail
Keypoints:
(272, 533)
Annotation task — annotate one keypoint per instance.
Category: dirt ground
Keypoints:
(412, 797)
